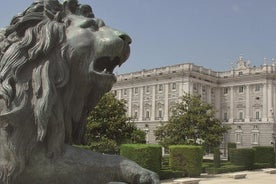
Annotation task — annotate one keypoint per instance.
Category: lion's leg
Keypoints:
(134, 173)
(85, 167)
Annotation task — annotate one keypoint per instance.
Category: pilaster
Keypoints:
(247, 103)
(141, 104)
(166, 102)
(152, 113)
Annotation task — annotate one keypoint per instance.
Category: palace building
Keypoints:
(244, 98)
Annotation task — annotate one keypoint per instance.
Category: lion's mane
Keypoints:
(35, 87)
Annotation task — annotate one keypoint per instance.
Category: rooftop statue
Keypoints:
(56, 61)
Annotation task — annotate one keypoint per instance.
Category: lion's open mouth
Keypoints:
(106, 65)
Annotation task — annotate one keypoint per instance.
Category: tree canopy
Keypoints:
(192, 122)
(108, 126)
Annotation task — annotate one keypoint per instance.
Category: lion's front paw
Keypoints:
(149, 177)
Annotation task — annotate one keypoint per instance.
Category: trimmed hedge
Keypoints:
(146, 155)
(230, 146)
(242, 156)
(168, 174)
(265, 154)
(216, 157)
(186, 158)
(225, 169)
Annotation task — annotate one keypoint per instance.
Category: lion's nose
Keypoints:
(126, 38)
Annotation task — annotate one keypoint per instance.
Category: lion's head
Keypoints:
(56, 61)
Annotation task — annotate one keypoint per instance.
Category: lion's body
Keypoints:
(56, 62)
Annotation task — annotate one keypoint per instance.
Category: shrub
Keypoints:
(265, 154)
(186, 158)
(82, 146)
(243, 157)
(165, 163)
(216, 157)
(230, 146)
(168, 174)
(147, 155)
(261, 165)
(225, 169)
(104, 146)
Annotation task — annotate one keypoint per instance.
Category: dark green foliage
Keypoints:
(262, 165)
(108, 126)
(242, 156)
(147, 155)
(165, 163)
(225, 169)
(192, 122)
(104, 145)
(186, 158)
(168, 174)
(230, 145)
(206, 165)
(138, 137)
(82, 146)
(216, 157)
(265, 154)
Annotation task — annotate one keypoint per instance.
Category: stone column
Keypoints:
(218, 102)
(231, 118)
(247, 103)
(166, 102)
(209, 94)
(119, 94)
(130, 102)
(141, 105)
(270, 101)
(180, 89)
(152, 114)
(265, 98)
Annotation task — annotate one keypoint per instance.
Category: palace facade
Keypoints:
(244, 98)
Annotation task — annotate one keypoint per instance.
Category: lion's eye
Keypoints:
(89, 23)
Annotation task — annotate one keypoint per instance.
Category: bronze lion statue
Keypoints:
(56, 61)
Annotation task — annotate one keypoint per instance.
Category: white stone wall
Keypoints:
(244, 98)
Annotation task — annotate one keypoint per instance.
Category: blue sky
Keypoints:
(209, 33)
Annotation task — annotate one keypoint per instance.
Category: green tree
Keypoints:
(108, 126)
(192, 122)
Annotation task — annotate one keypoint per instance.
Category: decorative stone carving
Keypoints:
(56, 61)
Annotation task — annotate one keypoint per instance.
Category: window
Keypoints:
(160, 88)
(125, 91)
(115, 92)
(225, 117)
(147, 114)
(203, 89)
(257, 115)
(225, 91)
(241, 115)
(241, 89)
(136, 91)
(160, 113)
(238, 138)
(194, 86)
(238, 135)
(147, 89)
(135, 114)
(173, 86)
(212, 91)
(258, 87)
(255, 138)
